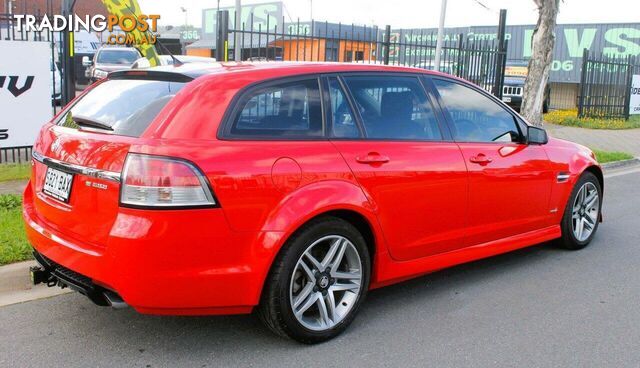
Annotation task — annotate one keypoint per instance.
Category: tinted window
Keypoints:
(125, 106)
(476, 118)
(119, 57)
(343, 123)
(285, 110)
(394, 107)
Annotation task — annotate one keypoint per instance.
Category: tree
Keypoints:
(540, 63)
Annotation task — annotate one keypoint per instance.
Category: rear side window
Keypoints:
(394, 107)
(121, 107)
(288, 109)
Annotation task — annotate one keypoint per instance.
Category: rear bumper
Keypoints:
(164, 262)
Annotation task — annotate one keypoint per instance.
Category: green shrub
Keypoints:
(9, 201)
(14, 246)
(570, 118)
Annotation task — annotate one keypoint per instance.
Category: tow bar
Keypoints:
(41, 276)
(52, 274)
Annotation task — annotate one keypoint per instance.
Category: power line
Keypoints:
(482, 5)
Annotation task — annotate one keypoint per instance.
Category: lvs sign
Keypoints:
(12, 85)
(25, 91)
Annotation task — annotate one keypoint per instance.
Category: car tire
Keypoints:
(582, 213)
(294, 275)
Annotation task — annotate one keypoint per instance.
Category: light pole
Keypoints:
(443, 12)
(236, 33)
(186, 21)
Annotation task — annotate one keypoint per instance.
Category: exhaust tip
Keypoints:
(114, 300)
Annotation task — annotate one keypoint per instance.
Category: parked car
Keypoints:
(108, 59)
(237, 187)
(56, 83)
(513, 89)
(256, 59)
(143, 63)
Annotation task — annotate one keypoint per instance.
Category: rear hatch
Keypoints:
(79, 156)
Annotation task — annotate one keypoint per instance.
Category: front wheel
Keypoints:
(582, 214)
(317, 282)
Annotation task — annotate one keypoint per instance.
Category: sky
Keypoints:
(410, 13)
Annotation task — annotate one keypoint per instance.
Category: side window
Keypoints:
(290, 109)
(394, 107)
(476, 118)
(343, 124)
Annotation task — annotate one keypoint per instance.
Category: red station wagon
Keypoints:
(291, 189)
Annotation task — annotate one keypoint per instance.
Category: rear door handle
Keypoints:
(481, 159)
(372, 158)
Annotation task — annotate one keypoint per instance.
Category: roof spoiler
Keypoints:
(150, 75)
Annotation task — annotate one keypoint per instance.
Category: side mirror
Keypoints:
(537, 135)
(86, 61)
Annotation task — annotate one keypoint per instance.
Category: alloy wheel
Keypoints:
(586, 207)
(326, 282)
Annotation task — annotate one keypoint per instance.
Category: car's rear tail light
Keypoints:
(163, 182)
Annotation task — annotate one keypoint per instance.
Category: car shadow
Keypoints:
(204, 336)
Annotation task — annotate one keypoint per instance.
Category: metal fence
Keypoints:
(16, 155)
(605, 86)
(481, 62)
(9, 32)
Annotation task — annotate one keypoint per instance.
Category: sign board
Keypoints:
(634, 101)
(615, 40)
(253, 17)
(86, 43)
(190, 35)
(25, 91)
(516, 71)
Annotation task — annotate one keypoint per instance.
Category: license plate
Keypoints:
(57, 184)
(506, 99)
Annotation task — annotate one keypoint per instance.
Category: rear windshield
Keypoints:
(119, 57)
(121, 107)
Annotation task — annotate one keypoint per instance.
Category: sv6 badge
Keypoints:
(95, 185)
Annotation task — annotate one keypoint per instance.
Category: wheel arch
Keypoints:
(363, 223)
(360, 222)
(597, 171)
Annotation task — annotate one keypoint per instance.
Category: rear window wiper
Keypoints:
(91, 123)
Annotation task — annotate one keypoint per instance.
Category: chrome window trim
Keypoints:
(77, 169)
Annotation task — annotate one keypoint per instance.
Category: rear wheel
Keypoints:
(318, 282)
(582, 214)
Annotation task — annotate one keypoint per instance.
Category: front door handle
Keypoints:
(481, 159)
(372, 158)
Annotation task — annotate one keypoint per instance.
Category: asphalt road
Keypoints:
(538, 307)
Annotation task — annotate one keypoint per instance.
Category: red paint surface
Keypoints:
(429, 206)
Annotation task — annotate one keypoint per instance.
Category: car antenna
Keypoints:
(176, 61)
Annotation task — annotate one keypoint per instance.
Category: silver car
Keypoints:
(109, 59)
